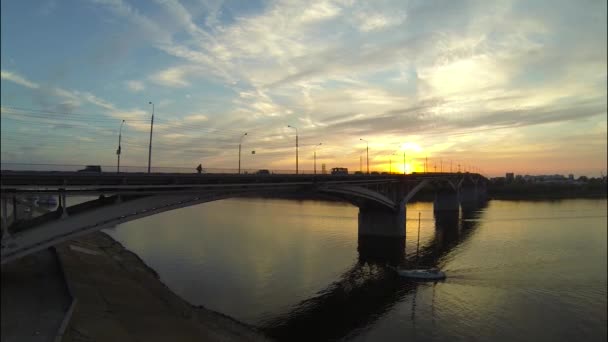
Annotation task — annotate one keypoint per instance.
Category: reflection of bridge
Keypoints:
(125, 197)
(368, 289)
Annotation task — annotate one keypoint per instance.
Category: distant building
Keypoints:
(510, 177)
(571, 177)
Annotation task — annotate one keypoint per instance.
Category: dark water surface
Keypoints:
(517, 270)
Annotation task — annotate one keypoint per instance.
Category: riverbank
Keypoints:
(540, 191)
(35, 299)
(120, 298)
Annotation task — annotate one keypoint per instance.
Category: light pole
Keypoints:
(118, 150)
(150, 146)
(404, 163)
(315, 156)
(367, 151)
(240, 142)
(290, 126)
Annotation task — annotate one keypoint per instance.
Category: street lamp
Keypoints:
(367, 151)
(118, 150)
(315, 156)
(240, 142)
(290, 126)
(150, 146)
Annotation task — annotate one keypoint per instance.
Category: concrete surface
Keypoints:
(34, 298)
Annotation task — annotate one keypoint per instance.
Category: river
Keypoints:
(517, 270)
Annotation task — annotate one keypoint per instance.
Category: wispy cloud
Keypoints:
(135, 86)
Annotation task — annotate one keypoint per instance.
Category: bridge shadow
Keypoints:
(369, 289)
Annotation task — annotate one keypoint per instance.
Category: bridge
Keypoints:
(123, 197)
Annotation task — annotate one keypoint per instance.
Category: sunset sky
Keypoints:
(493, 86)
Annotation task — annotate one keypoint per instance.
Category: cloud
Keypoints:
(15, 78)
(135, 86)
(196, 118)
(173, 77)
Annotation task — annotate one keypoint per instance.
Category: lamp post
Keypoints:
(367, 152)
(315, 156)
(240, 142)
(404, 163)
(290, 126)
(118, 150)
(150, 146)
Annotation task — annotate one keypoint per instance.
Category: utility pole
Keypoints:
(118, 150)
(296, 146)
(367, 152)
(360, 163)
(441, 165)
(240, 142)
(150, 146)
(425, 160)
(404, 163)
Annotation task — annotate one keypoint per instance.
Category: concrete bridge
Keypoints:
(124, 197)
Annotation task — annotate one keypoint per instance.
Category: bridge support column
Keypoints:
(446, 201)
(14, 208)
(63, 204)
(5, 233)
(381, 222)
(468, 197)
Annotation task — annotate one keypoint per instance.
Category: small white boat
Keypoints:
(421, 274)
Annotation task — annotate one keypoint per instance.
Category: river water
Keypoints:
(517, 270)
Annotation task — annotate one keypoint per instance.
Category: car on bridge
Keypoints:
(339, 171)
(91, 168)
(263, 172)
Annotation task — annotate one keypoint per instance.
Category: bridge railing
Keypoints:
(5, 166)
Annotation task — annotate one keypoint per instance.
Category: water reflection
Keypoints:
(368, 289)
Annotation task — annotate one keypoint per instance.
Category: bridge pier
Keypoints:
(63, 206)
(469, 198)
(382, 222)
(446, 201)
(5, 233)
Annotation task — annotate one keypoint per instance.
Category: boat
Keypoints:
(422, 274)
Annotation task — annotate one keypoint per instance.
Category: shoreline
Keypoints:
(122, 298)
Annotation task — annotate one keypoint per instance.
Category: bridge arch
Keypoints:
(106, 212)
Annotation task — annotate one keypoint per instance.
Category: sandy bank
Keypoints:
(121, 299)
